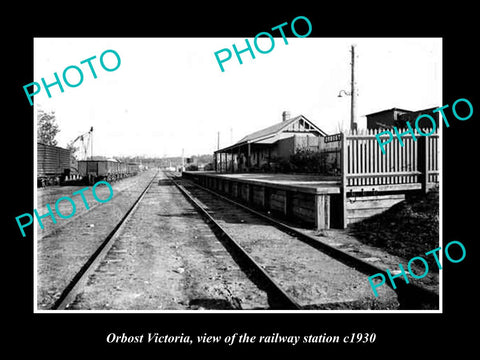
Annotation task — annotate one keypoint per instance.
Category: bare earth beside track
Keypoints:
(408, 229)
(68, 244)
(167, 258)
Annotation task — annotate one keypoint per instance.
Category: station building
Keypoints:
(262, 148)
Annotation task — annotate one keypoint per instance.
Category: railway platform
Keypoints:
(311, 199)
(166, 244)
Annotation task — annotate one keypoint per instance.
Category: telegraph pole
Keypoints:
(353, 108)
(183, 154)
(91, 143)
(352, 93)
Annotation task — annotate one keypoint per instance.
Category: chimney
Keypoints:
(285, 116)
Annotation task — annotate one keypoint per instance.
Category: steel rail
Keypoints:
(409, 295)
(73, 287)
(285, 301)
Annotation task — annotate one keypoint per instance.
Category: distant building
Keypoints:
(424, 122)
(274, 143)
(387, 119)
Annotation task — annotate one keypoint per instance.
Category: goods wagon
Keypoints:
(133, 169)
(108, 170)
(53, 164)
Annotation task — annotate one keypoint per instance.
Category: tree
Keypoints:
(73, 149)
(47, 127)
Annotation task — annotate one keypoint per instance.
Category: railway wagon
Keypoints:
(53, 164)
(122, 169)
(96, 170)
(133, 169)
(108, 170)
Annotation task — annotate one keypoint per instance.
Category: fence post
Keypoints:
(322, 211)
(343, 168)
(422, 161)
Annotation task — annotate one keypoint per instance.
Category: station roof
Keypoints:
(269, 135)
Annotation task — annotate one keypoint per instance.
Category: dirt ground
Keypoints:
(406, 230)
(50, 195)
(167, 258)
(64, 247)
(311, 277)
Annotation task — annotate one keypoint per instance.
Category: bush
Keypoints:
(208, 167)
(192, 167)
(305, 160)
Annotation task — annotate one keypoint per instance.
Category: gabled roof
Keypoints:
(272, 131)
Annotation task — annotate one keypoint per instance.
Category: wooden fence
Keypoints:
(411, 166)
(374, 179)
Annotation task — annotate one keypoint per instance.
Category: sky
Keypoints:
(169, 95)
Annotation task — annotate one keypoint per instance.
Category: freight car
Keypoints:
(133, 169)
(53, 164)
(108, 170)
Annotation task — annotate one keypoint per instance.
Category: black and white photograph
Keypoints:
(174, 185)
(275, 183)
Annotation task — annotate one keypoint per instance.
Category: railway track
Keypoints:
(74, 286)
(161, 256)
(50, 195)
(283, 258)
(213, 206)
(283, 299)
(157, 254)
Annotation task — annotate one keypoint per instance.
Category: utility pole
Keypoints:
(91, 143)
(218, 140)
(183, 154)
(352, 93)
(353, 108)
